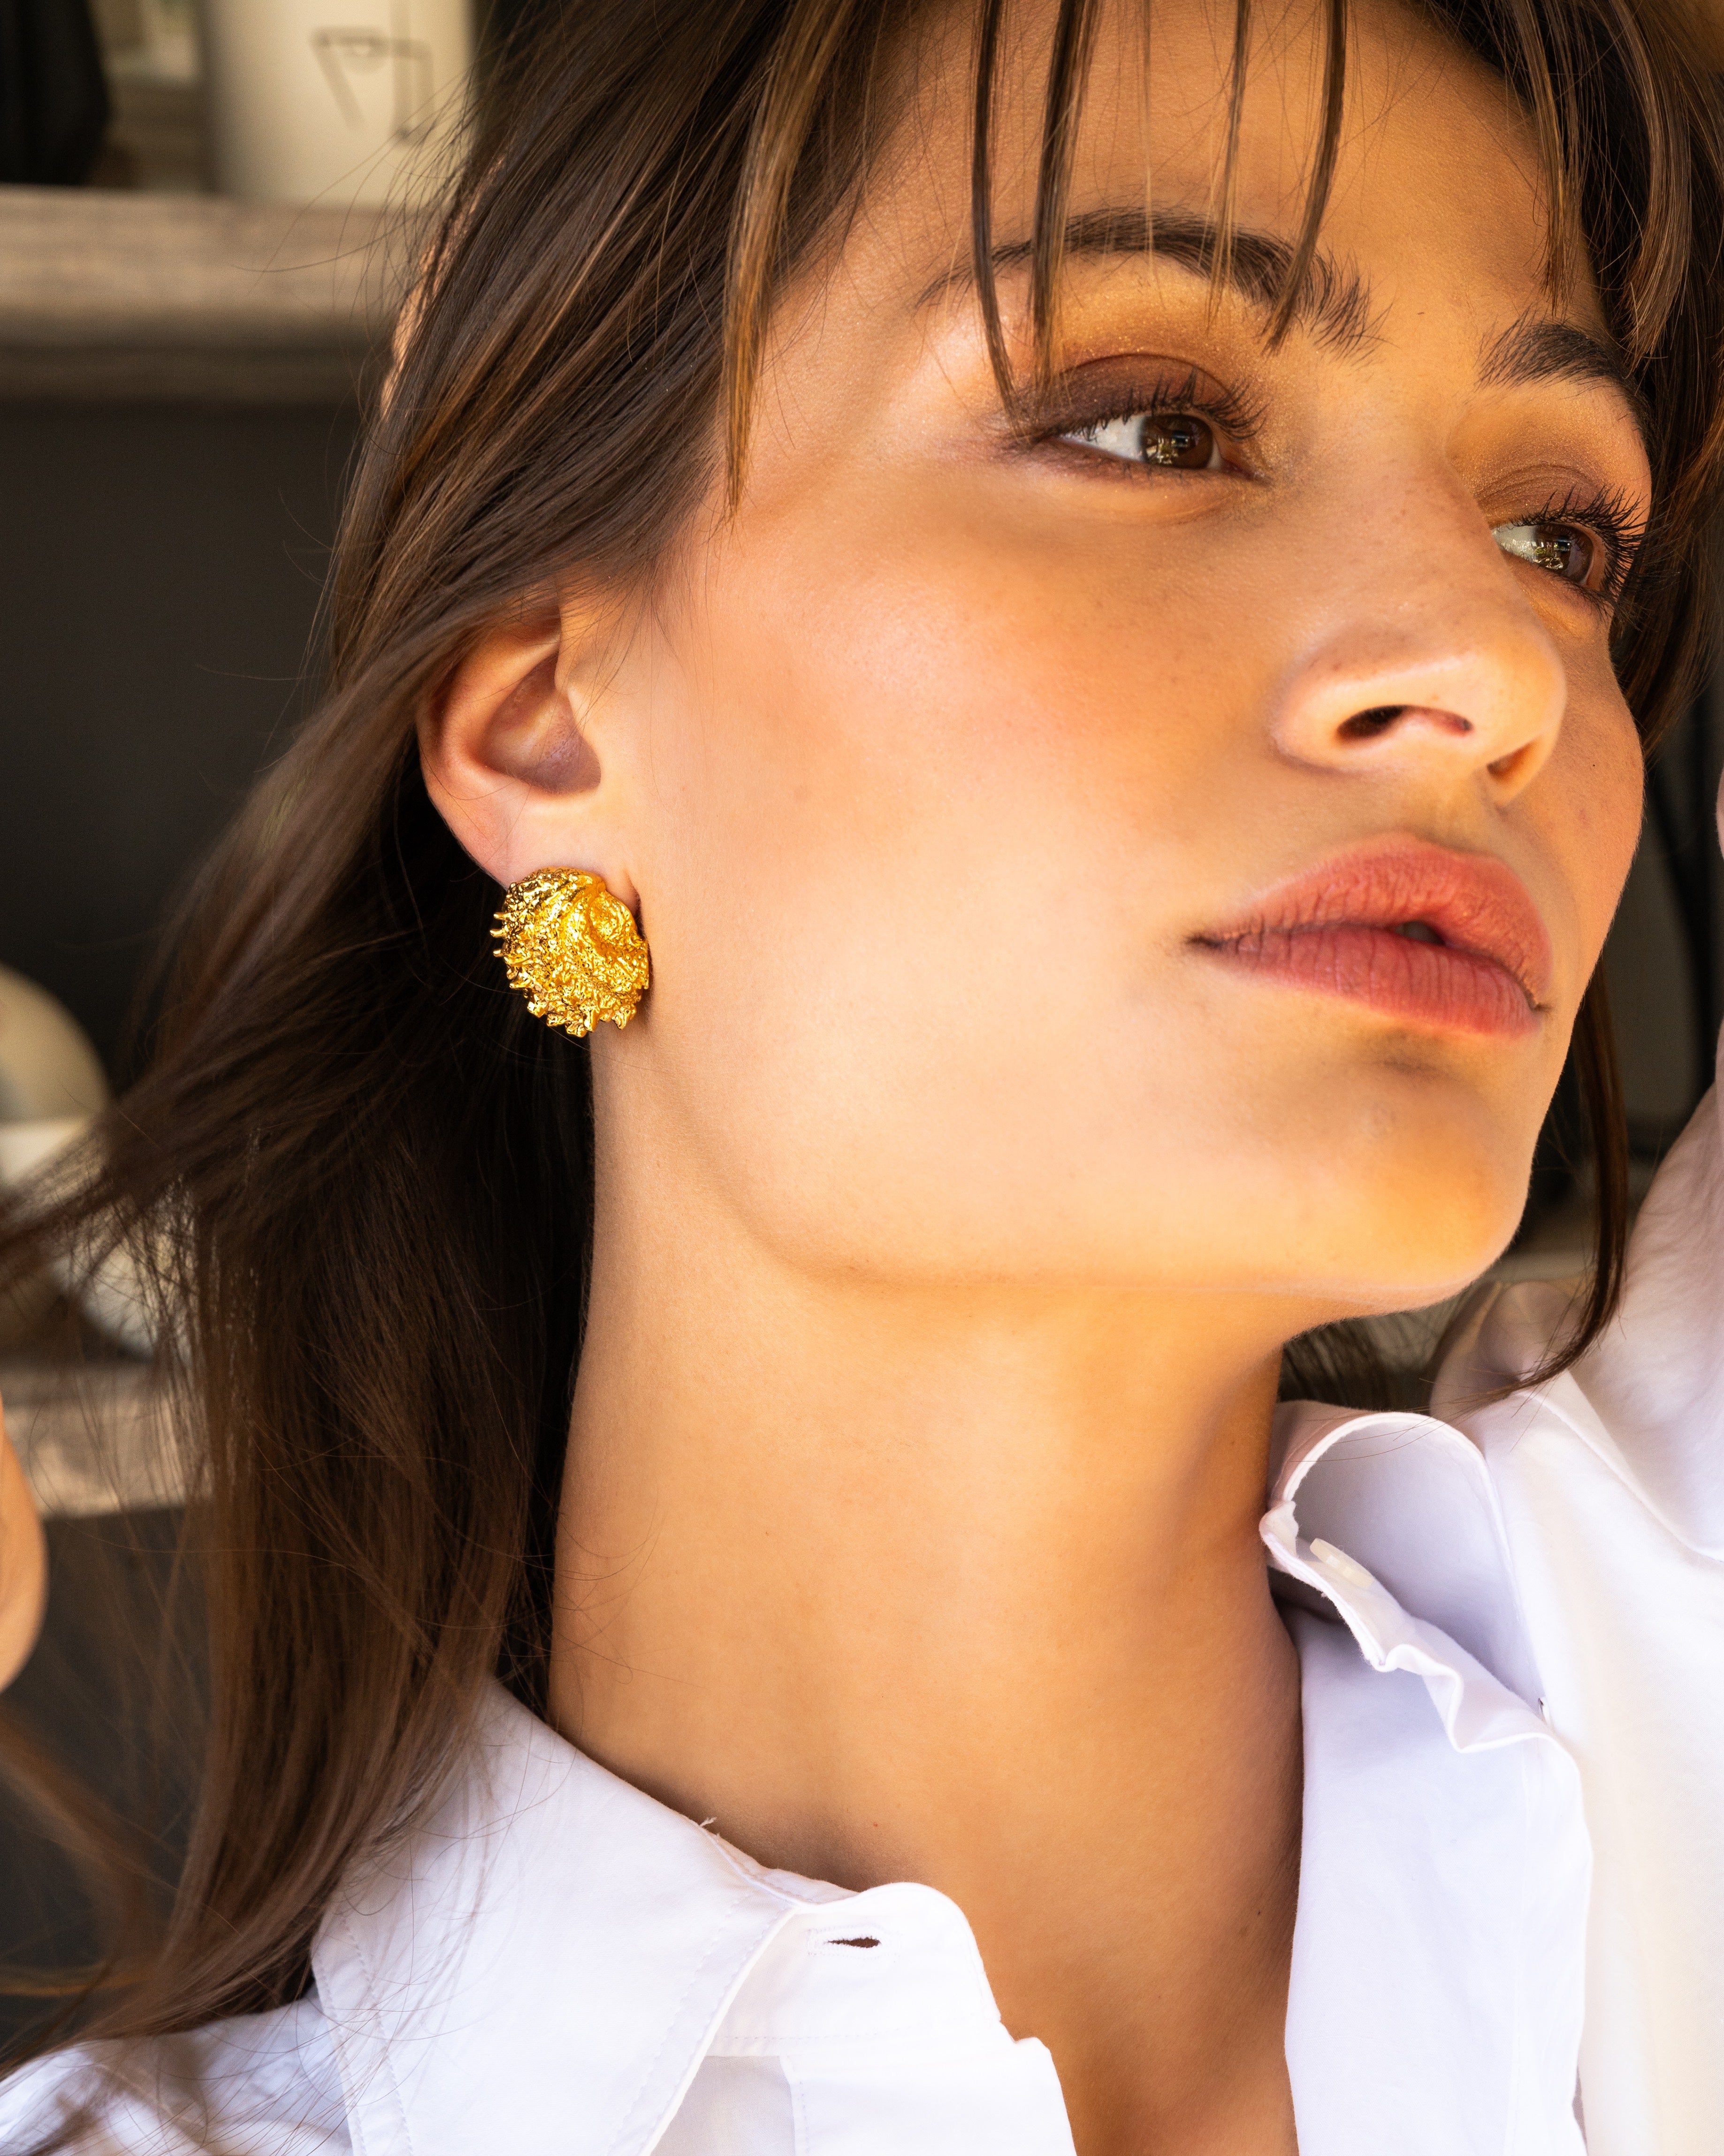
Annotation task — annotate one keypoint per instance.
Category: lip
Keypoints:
(1338, 929)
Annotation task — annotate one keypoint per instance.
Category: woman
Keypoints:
(1096, 591)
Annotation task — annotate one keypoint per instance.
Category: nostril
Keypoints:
(1367, 725)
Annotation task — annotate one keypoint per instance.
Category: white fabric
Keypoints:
(1511, 1626)
(1438, 1956)
(1610, 1482)
(265, 2084)
(558, 1962)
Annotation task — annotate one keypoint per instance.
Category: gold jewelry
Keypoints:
(572, 950)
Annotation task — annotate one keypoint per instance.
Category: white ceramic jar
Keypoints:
(336, 102)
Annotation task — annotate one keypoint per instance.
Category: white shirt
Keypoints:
(1511, 1639)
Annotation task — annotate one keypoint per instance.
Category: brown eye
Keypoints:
(1185, 441)
(1170, 441)
(1568, 551)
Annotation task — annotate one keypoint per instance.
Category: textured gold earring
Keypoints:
(572, 950)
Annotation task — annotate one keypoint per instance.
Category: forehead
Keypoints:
(1435, 197)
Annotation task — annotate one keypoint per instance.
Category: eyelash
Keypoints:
(1607, 515)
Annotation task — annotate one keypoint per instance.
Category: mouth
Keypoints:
(1447, 942)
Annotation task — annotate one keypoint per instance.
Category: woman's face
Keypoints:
(961, 775)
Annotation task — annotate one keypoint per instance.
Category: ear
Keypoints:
(521, 750)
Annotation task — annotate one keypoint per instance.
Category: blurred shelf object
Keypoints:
(142, 297)
(156, 140)
(94, 1436)
(362, 104)
(158, 136)
(155, 37)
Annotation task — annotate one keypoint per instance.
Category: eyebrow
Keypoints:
(1538, 348)
(1333, 302)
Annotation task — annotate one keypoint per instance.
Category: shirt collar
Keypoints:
(1438, 1982)
(1386, 1515)
(554, 1923)
(555, 1953)
(552, 1933)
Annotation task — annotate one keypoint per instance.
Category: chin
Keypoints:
(1432, 1241)
(1396, 1213)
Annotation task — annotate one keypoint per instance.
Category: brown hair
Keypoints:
(364, 1170)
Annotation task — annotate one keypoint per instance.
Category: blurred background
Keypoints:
(206, 214)
(207, 211)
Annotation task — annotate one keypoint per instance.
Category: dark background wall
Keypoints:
(160, 567)
(160, 570)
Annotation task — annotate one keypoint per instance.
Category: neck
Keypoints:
(958, 1586)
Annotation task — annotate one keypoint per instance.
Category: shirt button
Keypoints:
(1340, 1563)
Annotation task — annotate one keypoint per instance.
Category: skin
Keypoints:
(23, 1565)
(954, 1204)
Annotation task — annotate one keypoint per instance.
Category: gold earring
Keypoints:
(572, 950)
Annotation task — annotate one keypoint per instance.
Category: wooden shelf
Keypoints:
(124, 297)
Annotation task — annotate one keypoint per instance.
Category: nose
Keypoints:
(1446, 674)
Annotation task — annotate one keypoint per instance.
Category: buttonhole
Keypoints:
(853, 1943)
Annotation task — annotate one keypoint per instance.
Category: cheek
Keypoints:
(936, 813)
(1594, 812)
(949, 769)
(931, 698)
(928, 813)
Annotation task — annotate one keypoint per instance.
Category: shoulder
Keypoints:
(258, 2085)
